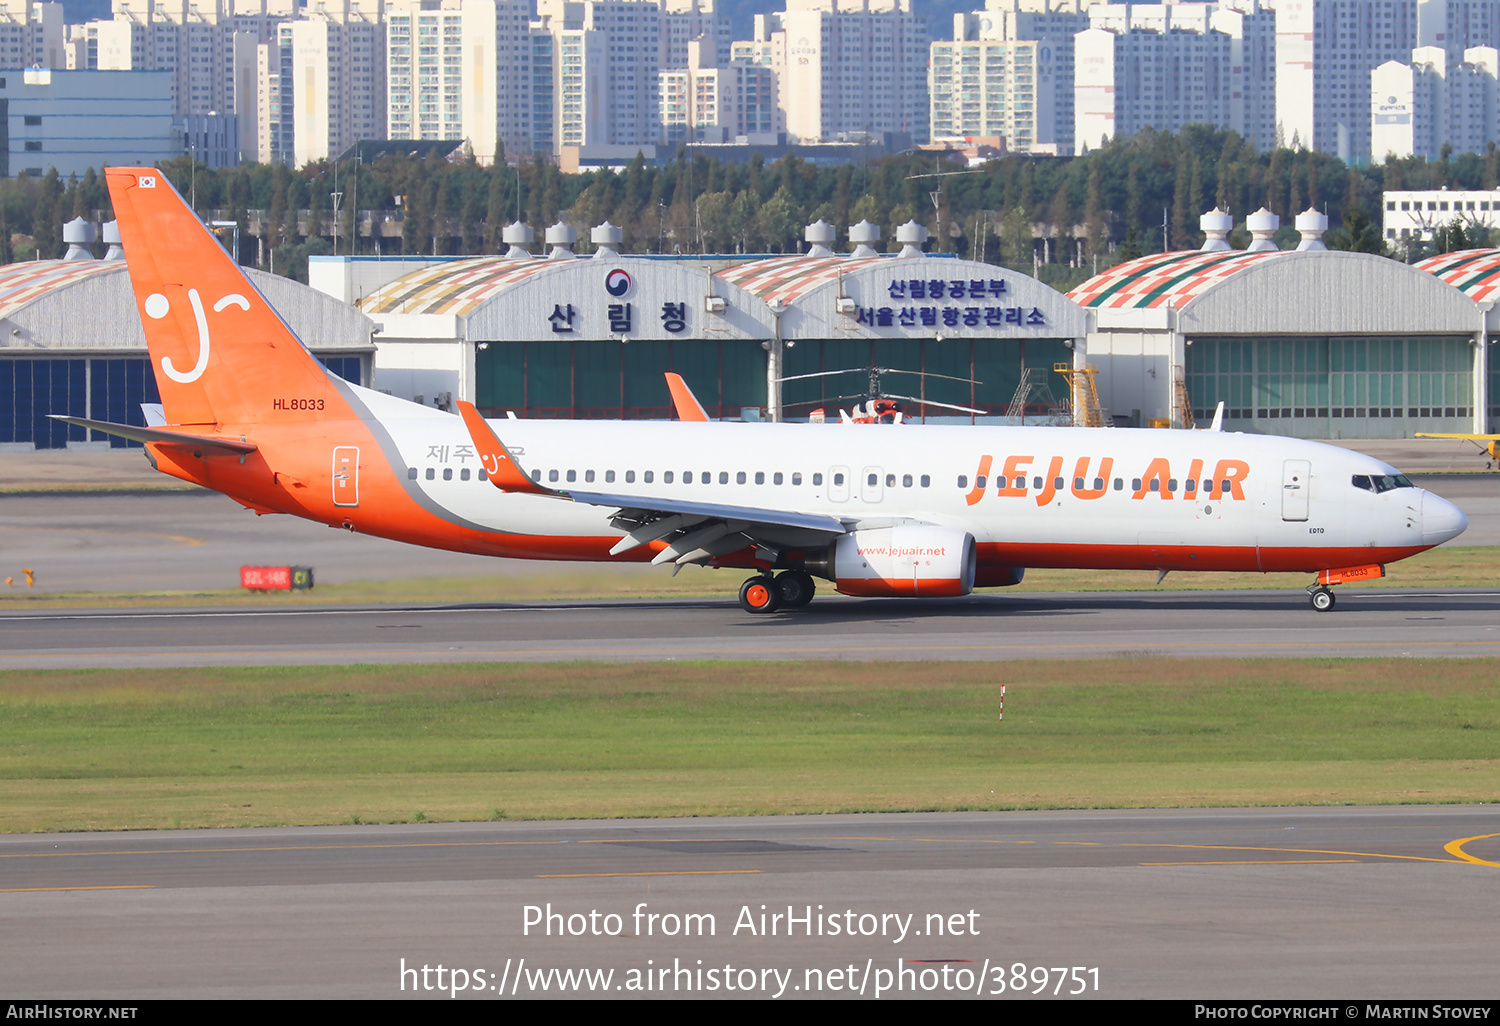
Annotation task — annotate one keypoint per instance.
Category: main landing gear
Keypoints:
(791, 589)
(1320, 597)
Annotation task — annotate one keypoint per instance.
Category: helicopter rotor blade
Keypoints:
(930, 402)
(928, 374)
(826, 374)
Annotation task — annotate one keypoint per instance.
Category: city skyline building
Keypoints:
(849, 67)
(1325, 52)
(1419, 107)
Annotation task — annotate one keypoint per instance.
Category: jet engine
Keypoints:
(911, 559)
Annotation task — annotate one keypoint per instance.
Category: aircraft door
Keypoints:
(1296, 475)
(346, 475)
(870, 486)
(838, 484)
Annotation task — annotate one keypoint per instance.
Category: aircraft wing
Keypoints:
(154, 434)
(694, 531)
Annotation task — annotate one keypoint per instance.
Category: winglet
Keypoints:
(1218, 424)
(688, 407)
(495, 458)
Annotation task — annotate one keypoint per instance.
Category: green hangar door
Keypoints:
(1333, 386)
(606, 379)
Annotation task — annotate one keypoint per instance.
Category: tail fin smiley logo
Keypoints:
(158, 306)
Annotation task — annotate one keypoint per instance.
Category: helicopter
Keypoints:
(879, 406)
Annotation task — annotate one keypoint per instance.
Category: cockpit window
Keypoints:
(1381, 482)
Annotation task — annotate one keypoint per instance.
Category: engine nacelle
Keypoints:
(914, 559)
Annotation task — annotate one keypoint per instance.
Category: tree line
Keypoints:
(1064, 217)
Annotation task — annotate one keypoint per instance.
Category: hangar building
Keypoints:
(558, 336)
(1312, 343)
(71, 342)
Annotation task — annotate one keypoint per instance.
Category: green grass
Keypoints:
(161, 748)
(1478, 566)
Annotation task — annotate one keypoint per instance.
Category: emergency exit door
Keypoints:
(346, 475)
(1295, 478)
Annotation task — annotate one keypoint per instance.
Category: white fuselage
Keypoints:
(1123, 492)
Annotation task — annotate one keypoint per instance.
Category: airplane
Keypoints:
(927, 511)
(1488, 444)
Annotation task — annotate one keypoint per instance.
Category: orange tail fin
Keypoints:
(221, 354)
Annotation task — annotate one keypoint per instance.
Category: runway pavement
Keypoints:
(1459, 622)
(1259, 903)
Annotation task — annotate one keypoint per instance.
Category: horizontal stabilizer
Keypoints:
(152, 434)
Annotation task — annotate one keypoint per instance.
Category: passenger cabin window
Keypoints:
(963, 482)
(411, 473)
(463, 475)
(609, 477)
(817, 479)
(926, 480)
(588, 476)
(648, 475)
(431, 474)
(447, 473)
(776, 478)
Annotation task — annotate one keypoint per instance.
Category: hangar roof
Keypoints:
(457, 287)
(1164, 279)
(1276, 292)
(29, 280)
(88, 304)
(500, 298)
(1475, 272)
(785, 279)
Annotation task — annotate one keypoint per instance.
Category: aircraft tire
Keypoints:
(1321, 599)
(759, 594)
(796, 588)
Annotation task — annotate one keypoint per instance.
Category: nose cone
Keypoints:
(1441, 520)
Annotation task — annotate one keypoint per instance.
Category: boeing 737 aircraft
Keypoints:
(912, 510)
